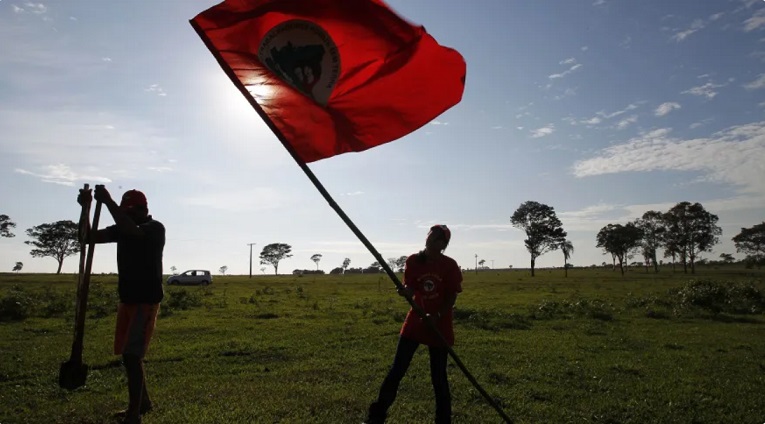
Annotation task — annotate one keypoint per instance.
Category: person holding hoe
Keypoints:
(432, 280)
(140, 243)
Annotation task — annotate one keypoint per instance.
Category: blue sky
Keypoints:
(603, 109)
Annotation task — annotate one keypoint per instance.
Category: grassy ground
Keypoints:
(590, 348)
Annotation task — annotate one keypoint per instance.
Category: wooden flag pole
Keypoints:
(420, 312)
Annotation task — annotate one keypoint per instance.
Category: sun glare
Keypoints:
(261, 92)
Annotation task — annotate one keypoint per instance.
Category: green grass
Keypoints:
(593, 347)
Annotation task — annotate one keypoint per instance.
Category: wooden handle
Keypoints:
(82, 293)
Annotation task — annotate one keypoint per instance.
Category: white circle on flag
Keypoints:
(303, 55)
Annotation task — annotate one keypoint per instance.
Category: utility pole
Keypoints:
(251, 244)
(476, 264)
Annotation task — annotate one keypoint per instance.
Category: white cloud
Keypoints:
(84, 141)
(106, 59)
(700, 123)
(599, 2)
(155, 88)
(626, 122)
(584, 48)
(36, 8)
(756, 21)
(716, 16)
(666, 108)
(732, 156)
(697, 25)
(707, 90)
(602, 116)
(62, 174)
(564, 73)
(629, 107)
(543, 132)
(566, 93)
(437, 122)
(17, 9)
(756, 84)
(590, 218)
(568, 61)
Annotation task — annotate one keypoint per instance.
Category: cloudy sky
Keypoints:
(602, 109)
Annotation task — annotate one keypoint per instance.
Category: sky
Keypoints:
(602, 109)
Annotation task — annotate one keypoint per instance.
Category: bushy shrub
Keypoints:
(182, 299)
(102, 301)
(576, 307)
(55, 303)
(718, 297)
(492, 320)
(16, 305)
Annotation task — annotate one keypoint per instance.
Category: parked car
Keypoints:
(193, 276)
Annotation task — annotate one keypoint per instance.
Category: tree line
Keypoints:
(683, 233)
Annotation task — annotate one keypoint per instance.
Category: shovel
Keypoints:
(73, 373)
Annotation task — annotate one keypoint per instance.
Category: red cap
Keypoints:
(444, 230)
(132, 199)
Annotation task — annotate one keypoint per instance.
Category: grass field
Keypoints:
(595, 347)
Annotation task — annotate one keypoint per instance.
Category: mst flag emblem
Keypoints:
(303, 55)
(332, 76)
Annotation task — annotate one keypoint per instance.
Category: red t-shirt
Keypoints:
(431, 280)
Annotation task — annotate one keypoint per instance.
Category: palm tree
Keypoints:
(567, 248)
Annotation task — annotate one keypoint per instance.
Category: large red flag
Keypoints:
(333, 76)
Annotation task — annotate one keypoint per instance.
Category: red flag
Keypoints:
(333, 76)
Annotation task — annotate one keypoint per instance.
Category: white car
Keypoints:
(194, 276)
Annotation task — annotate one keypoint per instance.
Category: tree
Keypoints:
(316, 258)
(223, 269)
(648, 256)
(727, 258)
(619, 240)
(346, 263)
(401, 263)
(174, 269)
(544, 231)
(694, 230)
(57, 240)
(18, 266)
(567, 248)
(752, 242)
(652, 224)
(5, 225)
(373, 268)
(481, 262)
(273, 253)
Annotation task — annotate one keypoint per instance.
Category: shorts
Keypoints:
(135, 325)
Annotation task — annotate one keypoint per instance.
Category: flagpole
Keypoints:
(319, 186)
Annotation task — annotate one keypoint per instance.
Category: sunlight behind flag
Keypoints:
(332, 76)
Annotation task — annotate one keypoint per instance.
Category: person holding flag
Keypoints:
(432, 280)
